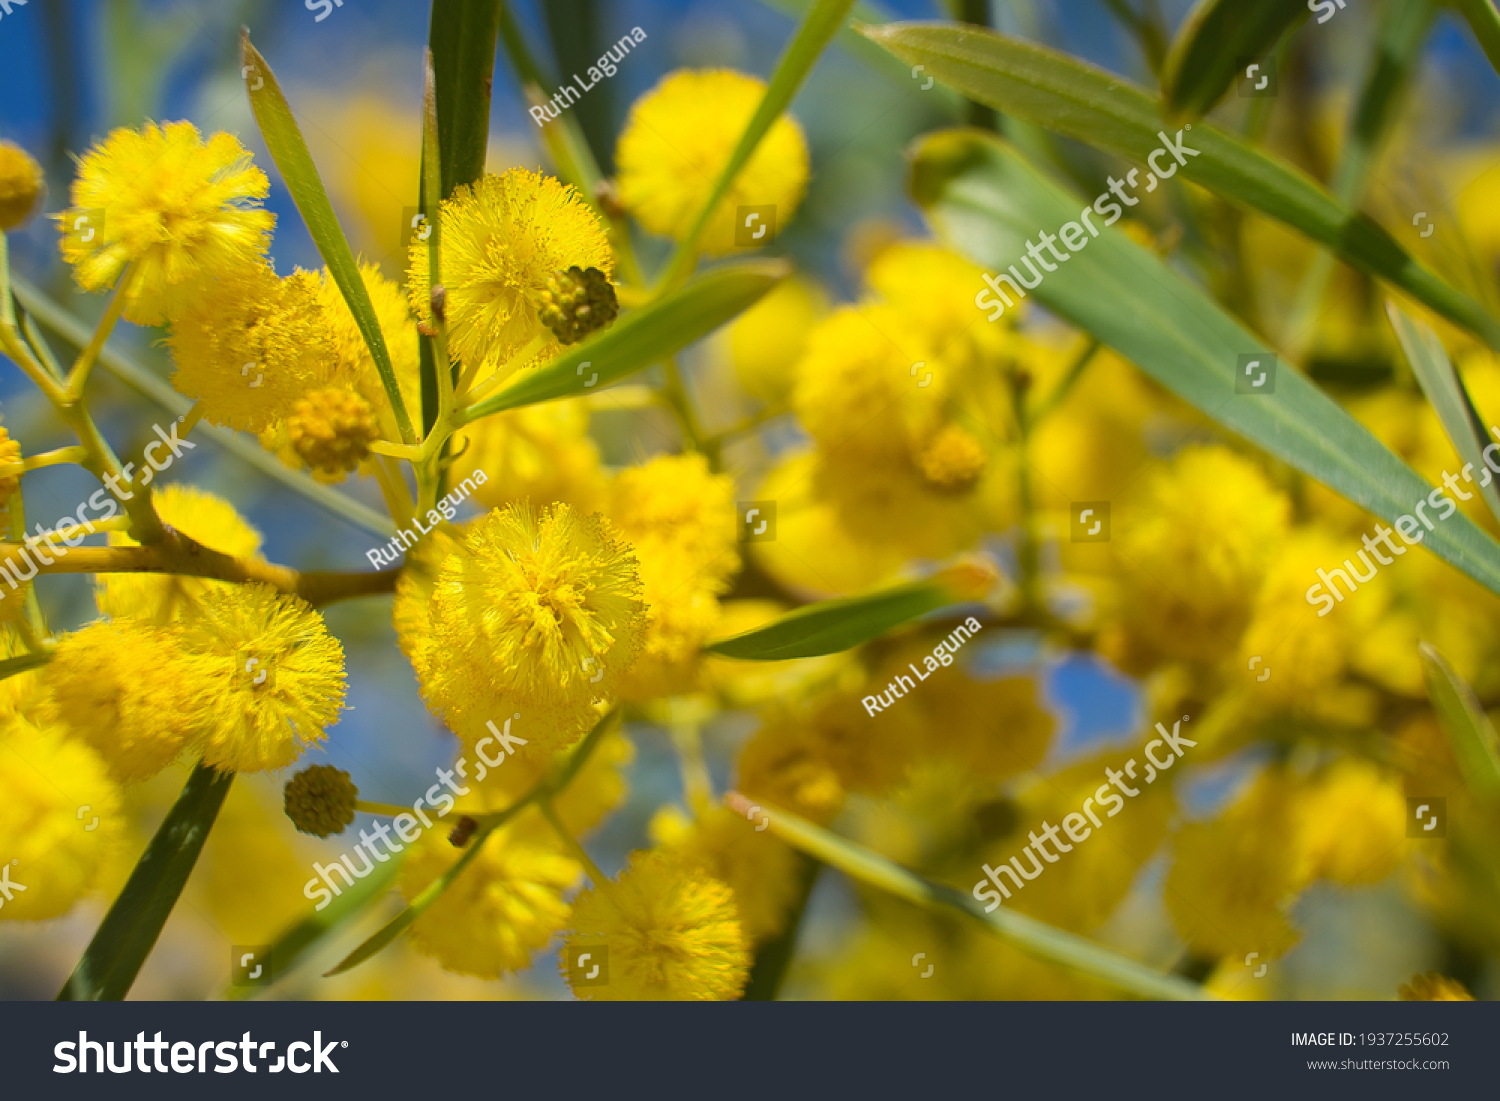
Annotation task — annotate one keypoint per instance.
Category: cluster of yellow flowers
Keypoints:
(584, 589)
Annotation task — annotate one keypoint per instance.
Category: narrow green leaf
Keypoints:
(25, 663)
(1468, 728)
(1440, 382)
(823, 20)
(129, 931)
(643, 337)
(1040, 939)
(1095, 106)
(461, 67)
(284, 139)
(1214, 45)
(832, 626)
(1485, 22)
(897, 73)
(245, 448)
(300, 937)
(462, 35)
(985, 199)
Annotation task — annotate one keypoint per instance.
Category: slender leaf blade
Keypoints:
(832, 626)
(129, 931)
(822, 22)
(1484, 20)
(643, 336)
(1040, 939)
(1053, 90)
(1215, 43)
(985, 199)
(1440, 382)
(284, 139)
(1469, 730)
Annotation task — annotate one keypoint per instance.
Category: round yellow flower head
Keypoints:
(952, 461)
(506, 905)
(118, 686)
(10, 452)
(675, 500)
(21, 186)
(249, 353)
(768, 339)
(504, 239)
(679, 137)
(355, 366)
(1195, 544)
(182, 209)
(672, 933)
(331, 431)
(869, 389)
(320, 800)
(1353, 824)
(200, 516)
(1433, 987)
(57, 856)
(541, 453)
(270, 676)
(761, 870)
(536, 615)
(934, 288)
(1234, 878)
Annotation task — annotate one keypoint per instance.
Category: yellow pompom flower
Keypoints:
(541, 453)
(50, 851)
(1194, 545)
(21, 186)
(250, 352)
(672, 933)
(183, 210)
(1353, 824)
(767, 340)
(506, 905)
(331, 431)
(539, 615)
(1234, 878)
(270, 677)
(355, 365)
(952, 461)
(870, 390)
(320, 800)
(119, 687)
(200, 516)
(504, 238)
(10, 454)
(761, 870)
(676, 500)
(933, 288)
(679, 137)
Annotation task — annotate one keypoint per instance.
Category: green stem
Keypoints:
(1041, 940)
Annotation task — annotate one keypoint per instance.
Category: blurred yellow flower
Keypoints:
(673, 933)
(21, 186)
(676, 142)
(182, 209)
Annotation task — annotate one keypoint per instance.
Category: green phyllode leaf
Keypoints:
(129, 931)
(1097, 107)
(986, 200)
(284, 139)
(642, 337)
(1216, 43)
(1468, 728)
